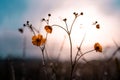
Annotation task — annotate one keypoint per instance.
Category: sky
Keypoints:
(13, 14)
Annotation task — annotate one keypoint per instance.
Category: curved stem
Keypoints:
(84, 54)
(70, 46)
(35, 29)
(77, 59)
(79, 48)
(60, 27)
(72, 24)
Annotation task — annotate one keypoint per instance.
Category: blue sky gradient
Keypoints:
(13, 14)
(11, 11)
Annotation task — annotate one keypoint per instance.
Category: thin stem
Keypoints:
(31, 28)
(24, 47)
(62, 45)
(42, 49)
(66, 25)
(71, 56)
(12, 70)
(48, 20)
(45, 46)
(60, 27)
(72, 24)
(115, 43)
(114, 53)
(84, 54)
(70, 48)
(35, 29)
(82, 40)
(77, 59)
(79, 48)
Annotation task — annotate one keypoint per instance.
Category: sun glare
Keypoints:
(83, 25)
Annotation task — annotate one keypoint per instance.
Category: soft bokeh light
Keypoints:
(105, 12)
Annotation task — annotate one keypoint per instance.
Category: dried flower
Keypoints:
(31, 28)
(20, 30)
(24, 25)
(48, 29)
(98, 47)
(38, 40)
(27, 22)
(49, 15)
(65, 19)
(76, 14)
(98, 26)
(43, 19)
(81, 13)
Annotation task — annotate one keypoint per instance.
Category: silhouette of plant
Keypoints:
(39, 40)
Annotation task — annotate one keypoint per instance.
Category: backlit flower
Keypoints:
(98, 26)
(48, 29)
(98, 47)
(38, 40)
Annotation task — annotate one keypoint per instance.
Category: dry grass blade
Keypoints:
(115, 52)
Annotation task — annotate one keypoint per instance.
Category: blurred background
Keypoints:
(21, 60)
(13, 14)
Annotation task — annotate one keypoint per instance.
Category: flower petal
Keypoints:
(48, 29)
(98, 47)
(34, 38)
(40, 36)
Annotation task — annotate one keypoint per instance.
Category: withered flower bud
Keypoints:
(65, 19)
(49, 15)
(81, 13)
(27, 22)
(24, 25)
(20, 30)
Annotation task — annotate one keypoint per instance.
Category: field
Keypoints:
(32, 69)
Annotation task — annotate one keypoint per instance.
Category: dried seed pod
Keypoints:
(81, 13)
(65, 19)
(49, 15)
(20, 30)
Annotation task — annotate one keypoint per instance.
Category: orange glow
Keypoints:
(38, 40)
(48, 29)
(98, 47)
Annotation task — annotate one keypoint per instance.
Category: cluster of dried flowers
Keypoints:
(38, 38)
